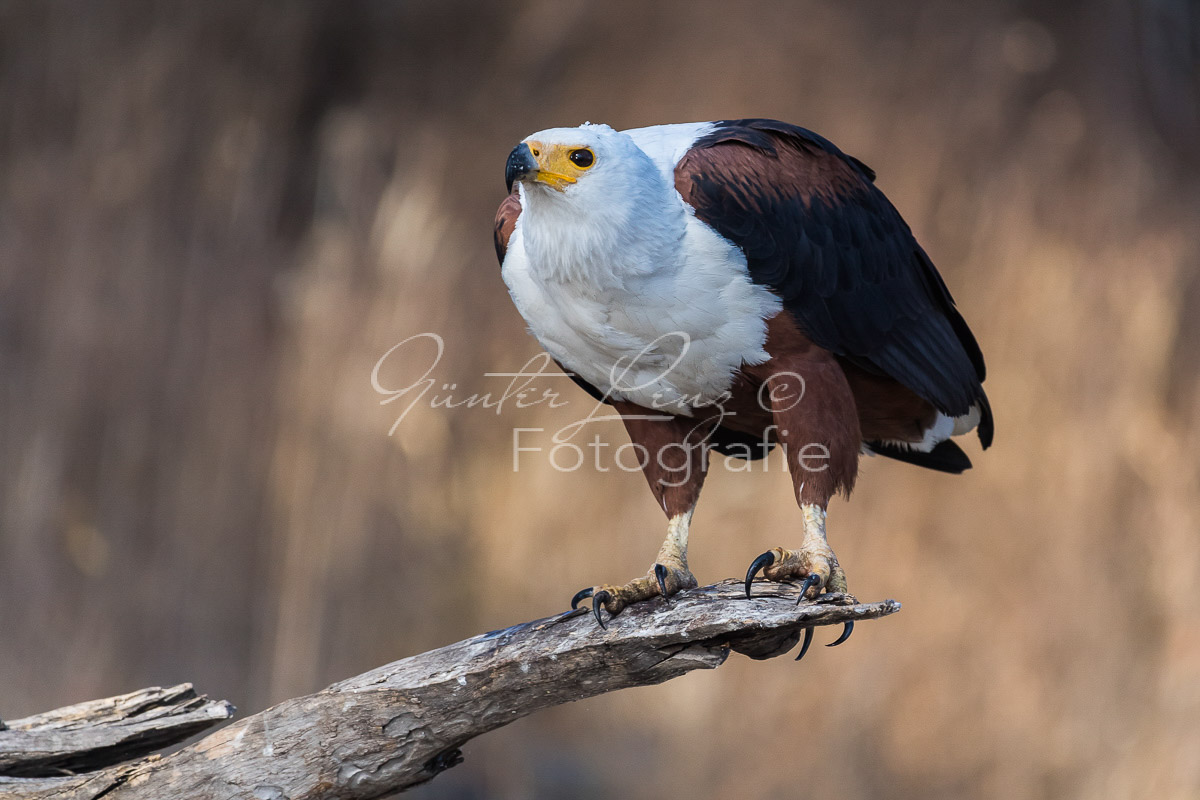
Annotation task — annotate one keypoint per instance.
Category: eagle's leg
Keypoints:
(816, 420)
(815, 561)
(674, 460)
(670, 574)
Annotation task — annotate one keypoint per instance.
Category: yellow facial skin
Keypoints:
(555, 168)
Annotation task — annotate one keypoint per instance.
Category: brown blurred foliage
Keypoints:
(215, 218)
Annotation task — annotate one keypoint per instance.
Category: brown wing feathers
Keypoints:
(506, 221)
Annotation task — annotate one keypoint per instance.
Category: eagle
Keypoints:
(733, 286)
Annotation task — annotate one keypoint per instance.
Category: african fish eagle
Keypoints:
(725, 284)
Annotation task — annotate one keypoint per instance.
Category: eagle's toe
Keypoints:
(665, 578)
(818, 567)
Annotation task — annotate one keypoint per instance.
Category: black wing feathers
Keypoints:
(816, 231)
(945, 457)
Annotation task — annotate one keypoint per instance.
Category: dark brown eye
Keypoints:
(582, 158)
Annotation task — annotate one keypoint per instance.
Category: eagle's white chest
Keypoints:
(669, 337)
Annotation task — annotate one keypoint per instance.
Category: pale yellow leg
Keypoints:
(670, 570)
(814, 558)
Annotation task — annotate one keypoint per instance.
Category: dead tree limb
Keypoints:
(399, 725)
(99, 733)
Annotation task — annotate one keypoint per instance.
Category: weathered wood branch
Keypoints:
(400, 725)
(99, 733)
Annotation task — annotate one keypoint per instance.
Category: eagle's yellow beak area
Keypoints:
(554, 165)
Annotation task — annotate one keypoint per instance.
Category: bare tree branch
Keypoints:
(99, 733)
(400, 725)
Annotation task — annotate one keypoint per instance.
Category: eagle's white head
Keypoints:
(594, 205)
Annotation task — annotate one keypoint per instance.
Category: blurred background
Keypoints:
(216, 217)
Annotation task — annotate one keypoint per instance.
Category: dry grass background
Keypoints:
(215, 217)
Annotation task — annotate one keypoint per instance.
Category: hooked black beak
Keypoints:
(520, 165)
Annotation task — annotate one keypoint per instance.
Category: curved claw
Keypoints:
(582, 594)
(660, 572)
(598, 601)
(756, 566)
(846, 631)
(808, 634)
(812, 580)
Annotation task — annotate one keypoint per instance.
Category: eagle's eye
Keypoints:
(582, 158)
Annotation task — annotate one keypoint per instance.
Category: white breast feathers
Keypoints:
(625, 287)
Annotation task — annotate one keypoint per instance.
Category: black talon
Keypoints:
(846, 631)
(660, 572)
(812, 580)
(765, 560)
(598, 601)
(808, 633)
(582, 594)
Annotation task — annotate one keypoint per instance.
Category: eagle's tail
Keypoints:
(945, 457)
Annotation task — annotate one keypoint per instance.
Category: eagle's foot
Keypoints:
(818, 567)
(665, 578)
